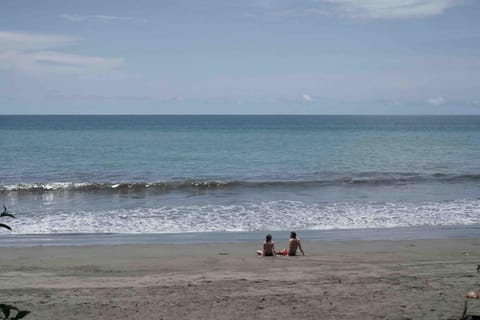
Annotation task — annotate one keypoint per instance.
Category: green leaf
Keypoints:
(5, 309)
(21, 314)
(5, 226)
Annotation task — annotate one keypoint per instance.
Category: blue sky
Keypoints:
(236, 57)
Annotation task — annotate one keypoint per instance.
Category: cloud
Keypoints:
(475, 103)
(13, 41)
(436, 101)
(357, 9)
(395, 102)
(307, 97)
(32, 53)
(56, 62)
(290, 13)
(397, 9)
(97, 18)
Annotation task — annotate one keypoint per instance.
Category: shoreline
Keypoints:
(376, 279)
(86, 239)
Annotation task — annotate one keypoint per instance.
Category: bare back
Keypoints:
(268, 248)
(293, 245)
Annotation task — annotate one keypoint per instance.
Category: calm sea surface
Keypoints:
(178, 174)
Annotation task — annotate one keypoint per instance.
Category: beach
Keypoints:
(404, 279)
(150, 150)
(159, 217)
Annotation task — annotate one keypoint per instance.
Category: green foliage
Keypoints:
(5, 226)
(7, 309)
(5, 213)
(7, 312)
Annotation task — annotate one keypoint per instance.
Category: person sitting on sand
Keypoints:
(268, 247)
(293, 244)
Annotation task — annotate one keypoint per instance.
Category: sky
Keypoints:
(240, 57)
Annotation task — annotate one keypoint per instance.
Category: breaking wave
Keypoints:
(193, 185)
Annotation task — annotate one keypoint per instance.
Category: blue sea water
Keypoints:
(186, 174)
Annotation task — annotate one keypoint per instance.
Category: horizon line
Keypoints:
(237, 114)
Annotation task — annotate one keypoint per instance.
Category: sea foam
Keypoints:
(272, 215)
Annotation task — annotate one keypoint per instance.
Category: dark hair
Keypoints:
(268, 237)
(293, 235)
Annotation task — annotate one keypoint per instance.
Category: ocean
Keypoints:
(84, 176)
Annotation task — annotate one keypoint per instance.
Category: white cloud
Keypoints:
(97, 18)
(395, 102)
(392, 8)
(475, 103)
(51, 61)
(290, 13)
(28, 52)
(436, 101)
(307, 97)
(12, 41)
(360, 9)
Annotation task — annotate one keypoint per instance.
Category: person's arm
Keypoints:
(300, 247)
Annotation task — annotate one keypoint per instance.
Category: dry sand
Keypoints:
(417, 279)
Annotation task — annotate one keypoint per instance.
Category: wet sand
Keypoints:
(407, 279)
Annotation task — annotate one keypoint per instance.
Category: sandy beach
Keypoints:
(417, 279)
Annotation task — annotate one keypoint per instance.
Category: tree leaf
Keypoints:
(21, 314)
(5, 226)
(5, 309)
